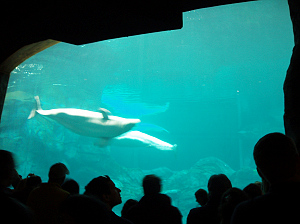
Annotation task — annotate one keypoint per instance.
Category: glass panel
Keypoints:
(212, 88)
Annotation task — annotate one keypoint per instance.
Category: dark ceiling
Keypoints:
(81, 22)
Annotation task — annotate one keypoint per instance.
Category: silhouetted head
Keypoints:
(57, 173)
(127, 205)
(151, 184)
(71, 186)
(33, 181)
(201, 196)
(218, 184)
(104, 189)
(253, 190)
(230, 199)
(7, 168)
(276, 157)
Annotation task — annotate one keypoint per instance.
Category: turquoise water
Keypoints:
(212, 88)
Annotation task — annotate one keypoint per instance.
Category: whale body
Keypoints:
(88, 123)
(140, 139)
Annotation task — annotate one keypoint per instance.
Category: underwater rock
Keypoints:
(18, 95)
(197, 176)
(213, 165)
(16, 119)
(244, 176)
(183, 184)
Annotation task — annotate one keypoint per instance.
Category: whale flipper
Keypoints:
(38, 103)
(140, 139)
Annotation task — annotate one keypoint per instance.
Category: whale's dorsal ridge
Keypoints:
(105, 113)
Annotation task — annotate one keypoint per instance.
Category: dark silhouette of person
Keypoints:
(83, 209)
(154, 207)
(11, 210)
(217, 186)
(46, 199)
(25, 186)
(253, 190)
(277, 161)
(127, 205)
(230, 199)
(71, 186)
(16, 180)
(105, 190)
(292, 80)
(201, 196)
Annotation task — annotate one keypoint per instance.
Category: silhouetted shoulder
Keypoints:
(119, 220)
(160, 200)
(274, 207)
(154, 209)
(13, 211)
(197, 214)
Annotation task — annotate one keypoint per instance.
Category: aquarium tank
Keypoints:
(203, 94)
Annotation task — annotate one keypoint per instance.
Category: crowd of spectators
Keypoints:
(58, 201)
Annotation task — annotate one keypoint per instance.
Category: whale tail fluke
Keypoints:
(32, 114)
(37, 107)
(38, 103)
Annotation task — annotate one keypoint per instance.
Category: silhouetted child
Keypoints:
(154, 207)
(25, 187)
(209, 213)
(71, 186)
(127, 205)
(253, 190)
(230, 199)
(201, 196)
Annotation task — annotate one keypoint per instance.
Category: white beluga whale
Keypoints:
(87, 123)
(140, 139)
